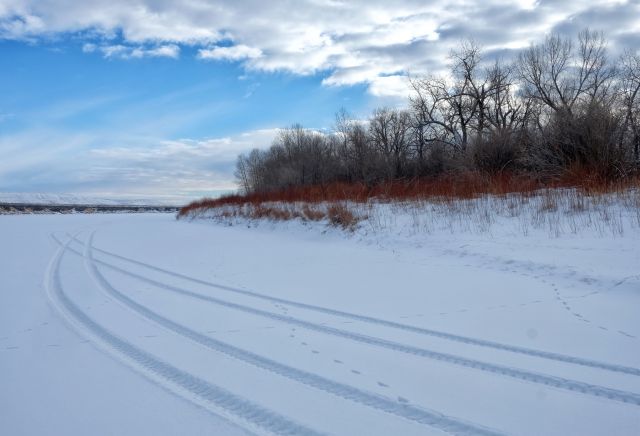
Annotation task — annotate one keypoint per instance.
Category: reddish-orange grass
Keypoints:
(455, 186)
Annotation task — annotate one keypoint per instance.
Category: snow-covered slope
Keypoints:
(109, 323)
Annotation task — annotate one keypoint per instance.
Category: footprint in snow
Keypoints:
(339, 362)
(303, 344)
(53, 345)
(356, 371)
(11, 348)
(626, 334)
(384, 385)
(315, 351)
(403, 400)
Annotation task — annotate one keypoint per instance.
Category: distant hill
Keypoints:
(53, 199)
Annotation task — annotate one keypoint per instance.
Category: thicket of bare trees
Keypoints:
(562, 106)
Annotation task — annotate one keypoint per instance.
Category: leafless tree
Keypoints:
(389, 130)
(563, 105)
(559, 76)
(630, 91)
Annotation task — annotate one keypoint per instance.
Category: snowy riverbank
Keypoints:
(109, 322)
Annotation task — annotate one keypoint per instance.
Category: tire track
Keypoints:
(371, 320)
(522, 375)
(431, 418)
(156, 369)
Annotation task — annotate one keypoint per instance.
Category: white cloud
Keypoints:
(224, 149)
(111, 51)
(233, 53)
(127, 52)
(390, 86)
(89, 47)
(353, 42)
(164, 51)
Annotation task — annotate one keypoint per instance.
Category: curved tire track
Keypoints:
(155, 368)
(522, 375)
(378, 402)
(371, 320)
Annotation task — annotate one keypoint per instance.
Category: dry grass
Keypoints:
(469, 202)
(340, 215)
(336, 214)
(466, 185)
(459, 186)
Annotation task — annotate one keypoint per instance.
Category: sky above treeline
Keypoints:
(157, 98)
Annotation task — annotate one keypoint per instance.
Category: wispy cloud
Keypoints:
(87, 163)
(133, 52)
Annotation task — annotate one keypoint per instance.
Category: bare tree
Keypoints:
(630, 91)
(389, 130)
(562, 106)
(557, 75)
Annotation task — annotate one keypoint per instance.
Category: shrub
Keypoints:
(341, 216)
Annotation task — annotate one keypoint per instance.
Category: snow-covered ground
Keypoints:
(141, 324)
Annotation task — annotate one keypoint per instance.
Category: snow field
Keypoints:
(283, 329)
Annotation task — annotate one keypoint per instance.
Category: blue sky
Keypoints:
(57, 98)
(157, 98)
